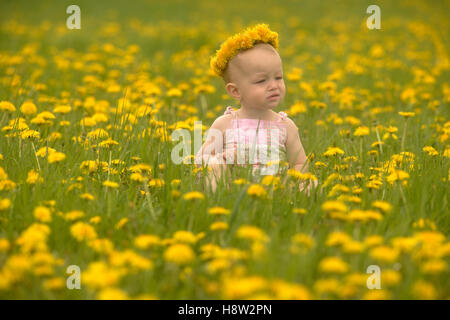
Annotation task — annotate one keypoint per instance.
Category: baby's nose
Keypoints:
(272, 84)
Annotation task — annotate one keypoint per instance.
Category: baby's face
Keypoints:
(258, 75)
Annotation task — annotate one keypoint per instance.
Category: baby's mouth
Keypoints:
(274, 96)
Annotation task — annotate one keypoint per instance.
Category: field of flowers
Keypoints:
(87, 180)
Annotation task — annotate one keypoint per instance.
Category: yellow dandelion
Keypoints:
(332, 151)
(361, 131)
(252, 233)
(62, 109)
(219, 225)
(240, 181)
(434, 266)
(5, 204)
(7, 106)
(121, 223)
(257, 190)
(146, 241)
(83, 231)
(55, 283)
(110, 184)
(333, 205)
(380, 294)
(384, 254)
(424, 290)
(179, 253)
(430, 151)
(333, 265)
(4, 245)
(218, 211)
(56, 157)
(239, 42)
(337, 238)
(112, 294)
(74, 215)
(28, 108)
(382, 205)
(95, 220)
(407, 115)
(300, 211)
(87, 196)
(327, 286)
(42, 214)
(108, 143)
(193, 195)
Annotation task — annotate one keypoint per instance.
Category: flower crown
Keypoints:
(240, 42)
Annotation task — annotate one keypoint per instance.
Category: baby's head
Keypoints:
(253, 73)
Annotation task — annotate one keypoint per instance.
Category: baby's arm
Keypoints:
(296, 155)
(207, 153)
(295, 152)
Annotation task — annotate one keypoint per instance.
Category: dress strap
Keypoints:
(230, 111)
(283, 116)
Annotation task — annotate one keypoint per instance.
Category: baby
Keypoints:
(253, 75)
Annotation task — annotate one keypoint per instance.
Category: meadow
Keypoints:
(87, 180)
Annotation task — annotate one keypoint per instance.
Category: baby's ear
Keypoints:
(233, 90)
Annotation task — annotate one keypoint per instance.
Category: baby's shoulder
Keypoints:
(222, 122)
(284, 118)
(290, 122)
(291, 128)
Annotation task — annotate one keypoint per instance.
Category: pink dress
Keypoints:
(261, 143)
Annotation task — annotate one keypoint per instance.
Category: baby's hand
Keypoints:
(230, 155)
(307, 186)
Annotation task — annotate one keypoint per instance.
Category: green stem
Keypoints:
(149, 201)
(37, 160)
(379, 140)
(403, 137)
(109, 164)
(403, 197)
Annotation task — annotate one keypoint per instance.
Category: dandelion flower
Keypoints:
(333, 205)
(56, 157)
(179, 254)
(361, 131)
(252, 233)
(5, 204)
(42, 214)
(112, 294)
(430, 151)
(333, 265)
(110, 184)
(145, 241)
(7, 106)
(242, 41)
(219, 225)
(332, 151)
(257, 190)
(218, 211)
(384, 254)
(407, 115)
(28, 108)
(193, 195)
(382, 205)
(83, 231)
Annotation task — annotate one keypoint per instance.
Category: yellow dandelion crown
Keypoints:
(239, 42)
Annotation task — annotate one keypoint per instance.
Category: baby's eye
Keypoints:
(260, 81)
(279, 78)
